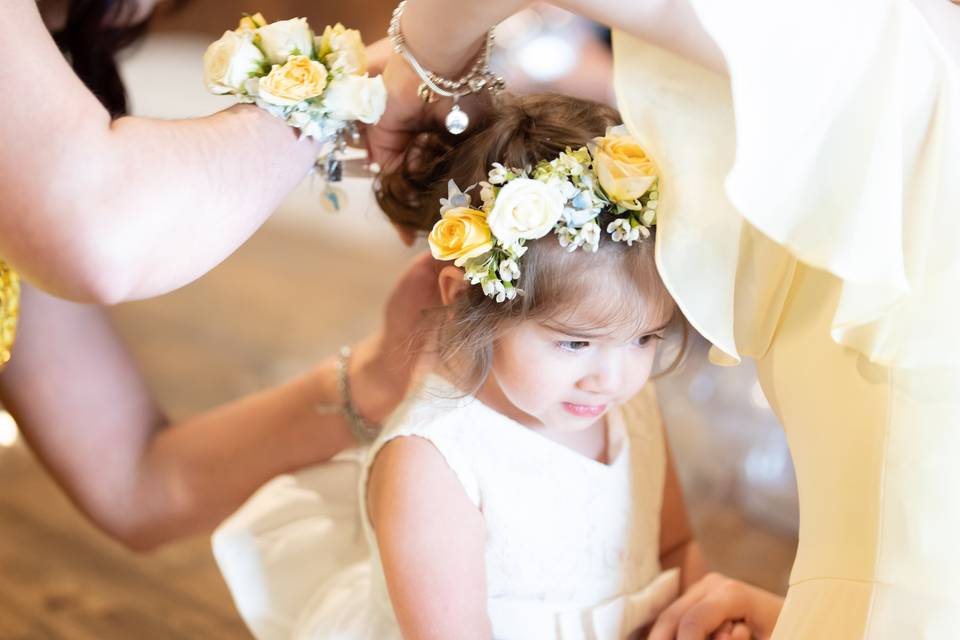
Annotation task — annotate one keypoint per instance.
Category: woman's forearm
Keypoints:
(106, 211)
(82, 405)
(195, 473)
(444, 36)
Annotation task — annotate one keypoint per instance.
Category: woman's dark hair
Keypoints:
(94, 32)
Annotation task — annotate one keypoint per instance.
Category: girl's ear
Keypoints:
(451, 284)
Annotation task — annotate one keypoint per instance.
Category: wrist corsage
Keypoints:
(316, 83)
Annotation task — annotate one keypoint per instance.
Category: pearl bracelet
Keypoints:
(363, 431)
(478, 78)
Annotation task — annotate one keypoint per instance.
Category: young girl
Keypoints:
(525, 491)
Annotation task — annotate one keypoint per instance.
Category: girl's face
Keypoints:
(547, 376)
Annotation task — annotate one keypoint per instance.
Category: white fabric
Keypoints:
(838, 135)
(572, 549)
(273, 552)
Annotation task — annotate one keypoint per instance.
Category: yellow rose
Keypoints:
(299, 79)
(623, 168)
(461, 234)
(251, 23)
(342, 49)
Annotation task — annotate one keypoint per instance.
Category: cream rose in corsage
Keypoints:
(342, 50)
(230, 61)
(285, 38)
(357, 98)
(462, 233)
(316, 84)
(623, 168)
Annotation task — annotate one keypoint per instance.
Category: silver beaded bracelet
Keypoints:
(362, 430)
(478, 78)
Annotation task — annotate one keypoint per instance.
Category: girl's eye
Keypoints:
(573, 345)
(645, 340)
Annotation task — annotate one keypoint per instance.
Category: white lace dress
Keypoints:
(572, 544)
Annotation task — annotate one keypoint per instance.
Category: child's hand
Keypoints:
(385, 361)
(719, 608)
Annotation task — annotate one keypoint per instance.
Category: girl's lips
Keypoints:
(585, 410)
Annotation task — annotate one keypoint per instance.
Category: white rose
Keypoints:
(228, 62)
(525, 209)
(356, 98)
(280, 40)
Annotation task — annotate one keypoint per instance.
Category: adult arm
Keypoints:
(711, 605)
(106, 211)
(431, 541)
(678, 547)
(446, 36)
(85, 410)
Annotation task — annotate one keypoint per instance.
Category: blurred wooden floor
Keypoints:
(280, 303)
(283, 301)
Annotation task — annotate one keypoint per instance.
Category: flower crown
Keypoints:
(318, 84)
(612, 174)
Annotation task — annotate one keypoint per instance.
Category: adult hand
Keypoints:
(385, 362)
(405, 116)
(719, 608)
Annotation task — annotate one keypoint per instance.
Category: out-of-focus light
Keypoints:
(548, 57)
(8, 430)
(765, 464)
(757, 397)
(518, 28)
(702, 388)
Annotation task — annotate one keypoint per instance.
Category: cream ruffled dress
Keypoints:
(810, 219)
(572, 549)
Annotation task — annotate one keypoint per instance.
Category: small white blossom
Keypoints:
(487, 194)
(616, 230)
(621, 230)
(509, 270)
(568, 164)
(570, 238)
(497, 175)
(515, 250)
(590, 234)
(493, 288)
(566, 188)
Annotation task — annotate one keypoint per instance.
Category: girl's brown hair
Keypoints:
(519, 132)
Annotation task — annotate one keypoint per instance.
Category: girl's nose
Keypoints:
(604, 377)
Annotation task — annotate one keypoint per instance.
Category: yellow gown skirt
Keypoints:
(810, 219)
(9, 311)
